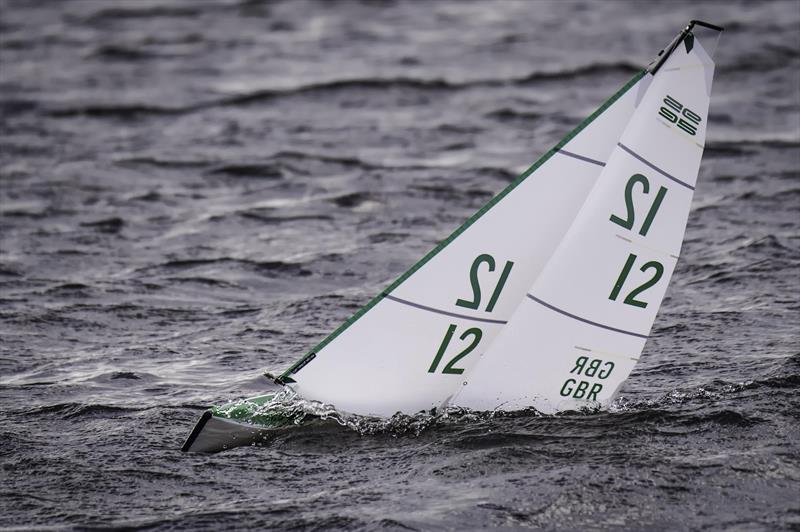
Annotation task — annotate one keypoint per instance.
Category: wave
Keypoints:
(127, 111)
(136, 110)
(726, 150)
(74, 410)
(430, 84)
(162, 163)
(285, 219)
(244, 311)
(448, 191)
(204, 281)
(768, 57)
(69, 290)
(127, 375)
(285, 163)
(269, 268)
(9, 272)
(352, 200)
(104, 16)
(703, 406)
(595, 68)
(391, 238)
(107, 225)
(278, 163)
(767, 246)
(324, 157)
(262, 171)
(507, 114)
(122, 53)
(786, 139)
(11, 107)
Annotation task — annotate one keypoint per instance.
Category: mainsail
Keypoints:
(409, 348)
(584, 321)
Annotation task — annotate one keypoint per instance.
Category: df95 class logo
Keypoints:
(683, 117)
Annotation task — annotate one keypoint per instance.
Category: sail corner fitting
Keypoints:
(686, 37)
(280, 380)
(701, 23)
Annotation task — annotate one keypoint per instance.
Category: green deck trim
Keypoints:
(424, 260)
(252, 411)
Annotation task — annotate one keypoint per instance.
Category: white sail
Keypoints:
(410, 347)
(585, 319)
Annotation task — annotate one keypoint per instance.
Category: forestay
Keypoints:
(583, 322)
(410, 347)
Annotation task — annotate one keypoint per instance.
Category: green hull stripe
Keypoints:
(474, 218)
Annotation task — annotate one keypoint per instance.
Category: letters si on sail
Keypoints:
(582, 325)
(545, 296)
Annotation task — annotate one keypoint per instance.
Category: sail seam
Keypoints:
(444, 312)
(580, 157)
(444, 243)
(654, 167)
(584, 320)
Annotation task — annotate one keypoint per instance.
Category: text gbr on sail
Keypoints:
(579, 389)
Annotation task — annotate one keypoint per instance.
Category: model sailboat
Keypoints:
(545, 297)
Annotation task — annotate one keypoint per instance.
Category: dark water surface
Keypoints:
(192, 192)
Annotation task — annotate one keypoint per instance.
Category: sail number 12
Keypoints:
(474, 333)
(627, 223)
(623, 276)
(476, 285)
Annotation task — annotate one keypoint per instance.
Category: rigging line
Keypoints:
(654, 167)
(584, 320)
(580, 157)
(446, 313)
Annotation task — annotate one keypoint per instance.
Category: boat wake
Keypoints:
(286, 409)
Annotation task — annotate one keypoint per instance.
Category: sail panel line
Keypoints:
(584, 320)
(580, 157)
(444, 312)
(654, 167)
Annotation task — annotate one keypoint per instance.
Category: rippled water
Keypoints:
(192, 192)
